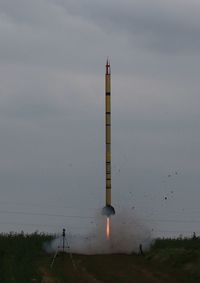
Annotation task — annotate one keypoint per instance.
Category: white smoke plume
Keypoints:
(126, 235)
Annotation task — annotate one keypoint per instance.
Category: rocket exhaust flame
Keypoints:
(107, 228)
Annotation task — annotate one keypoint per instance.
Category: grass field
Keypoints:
(23, 260)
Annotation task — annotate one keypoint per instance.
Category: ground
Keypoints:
(23, 260)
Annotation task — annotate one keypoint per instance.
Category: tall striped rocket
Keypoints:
(108, 209)
(108, 132)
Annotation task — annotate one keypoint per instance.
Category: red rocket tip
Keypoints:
(107, 67)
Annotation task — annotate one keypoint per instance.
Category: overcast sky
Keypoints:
(52, 55)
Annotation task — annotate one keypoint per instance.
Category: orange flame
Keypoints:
(108, 228)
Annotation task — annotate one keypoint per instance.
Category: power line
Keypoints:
(177, 231)
(43, 225)
(45, 214)
(84, 217)
(171, 220)
(92, 217)
(44, 205)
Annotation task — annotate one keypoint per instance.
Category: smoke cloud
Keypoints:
(127, 234)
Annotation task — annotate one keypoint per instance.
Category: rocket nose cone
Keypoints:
(108, 70)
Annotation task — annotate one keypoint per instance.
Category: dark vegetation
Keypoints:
(19, 256)
(23, 260)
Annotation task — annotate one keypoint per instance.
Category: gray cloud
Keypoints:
(52, 56)
(168, 27)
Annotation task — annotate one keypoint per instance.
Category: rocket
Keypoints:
(108, 210)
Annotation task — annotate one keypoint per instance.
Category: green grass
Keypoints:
(19, 255)
(23, 260)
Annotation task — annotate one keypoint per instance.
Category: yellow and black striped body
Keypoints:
(108, 132)
(108, 210)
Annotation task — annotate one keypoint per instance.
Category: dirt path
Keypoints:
(100, 269)
(86, 274)
(154, 276)
(46, 276)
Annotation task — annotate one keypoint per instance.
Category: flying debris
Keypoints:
(108, 210)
